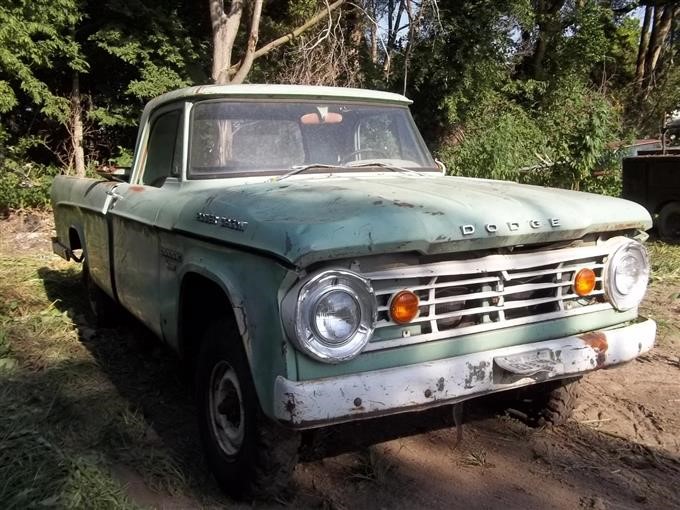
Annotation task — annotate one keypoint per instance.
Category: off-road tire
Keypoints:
(264, 462)
(548, 404)
(105, 310)
(668, 222)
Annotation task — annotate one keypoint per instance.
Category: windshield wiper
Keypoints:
(380, 164)
(301, 168)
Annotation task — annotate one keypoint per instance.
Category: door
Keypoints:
(135, 235)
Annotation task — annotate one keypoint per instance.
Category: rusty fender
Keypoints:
(319, 402)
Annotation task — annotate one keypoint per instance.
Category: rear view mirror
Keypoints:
(114, 173)
(321, 118)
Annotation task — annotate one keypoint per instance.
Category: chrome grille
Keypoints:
(469, 296)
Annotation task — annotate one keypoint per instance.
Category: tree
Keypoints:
(37, 50)
(225, 27)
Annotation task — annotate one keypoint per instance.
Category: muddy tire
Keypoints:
(548, 404)
(105, 310)
(668, 222)
(248, 454)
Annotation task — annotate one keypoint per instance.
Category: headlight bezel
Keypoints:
(623, 301)
(302, 304)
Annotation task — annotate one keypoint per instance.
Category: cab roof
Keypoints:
(277, 92)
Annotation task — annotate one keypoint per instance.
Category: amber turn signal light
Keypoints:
(404, 306)
(584, 282)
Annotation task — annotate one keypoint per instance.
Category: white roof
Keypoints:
(278, 92)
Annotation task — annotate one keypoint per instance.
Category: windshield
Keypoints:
(229, 138)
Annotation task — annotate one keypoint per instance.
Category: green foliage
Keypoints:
(25, 185)
(37, 36)
(581, 123)
(499, 139)
(562, 141)
(123, 157)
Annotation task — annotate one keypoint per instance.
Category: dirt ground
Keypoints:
(621, 450)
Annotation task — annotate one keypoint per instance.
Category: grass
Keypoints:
(476, 458)
(63, 423)
(373, 466)
(665, 260)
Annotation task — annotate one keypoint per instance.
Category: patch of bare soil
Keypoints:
(26, 232)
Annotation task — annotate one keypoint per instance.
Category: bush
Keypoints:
(499, 138)
(25, 185)
(558, 137)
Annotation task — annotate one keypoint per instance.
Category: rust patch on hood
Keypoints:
(598, 342)
(136, 188)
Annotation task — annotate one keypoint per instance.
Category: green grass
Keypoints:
(665, 260)
(63, 423)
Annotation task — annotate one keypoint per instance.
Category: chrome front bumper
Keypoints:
(315, 403)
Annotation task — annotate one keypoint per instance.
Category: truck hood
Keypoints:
(309, 219)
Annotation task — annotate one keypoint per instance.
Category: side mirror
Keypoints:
(114, 173)
(441, 166)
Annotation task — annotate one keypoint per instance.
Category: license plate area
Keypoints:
(539, 362)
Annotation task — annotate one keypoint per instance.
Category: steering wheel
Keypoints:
(345, 158)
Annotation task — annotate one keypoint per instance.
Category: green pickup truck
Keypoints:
(305, 254)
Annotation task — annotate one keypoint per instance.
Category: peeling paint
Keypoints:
(476, 373)
(289, 244)
(403, 204)
(598, 342)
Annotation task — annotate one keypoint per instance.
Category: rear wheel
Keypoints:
(668, 222)
(249, 454)
(105, 310)
(547, 404)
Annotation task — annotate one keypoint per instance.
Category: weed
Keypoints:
(373, 466)
(476, 458)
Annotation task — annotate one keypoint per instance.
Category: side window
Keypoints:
(164, 149)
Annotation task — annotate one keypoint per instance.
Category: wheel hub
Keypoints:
(226, 408)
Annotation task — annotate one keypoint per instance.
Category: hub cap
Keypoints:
(226, 408)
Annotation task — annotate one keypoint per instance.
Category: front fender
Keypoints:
(254, 285)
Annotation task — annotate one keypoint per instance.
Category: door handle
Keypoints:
(114, 194)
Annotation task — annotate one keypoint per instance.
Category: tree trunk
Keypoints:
(644, 44)
(224, 29)
(547, 15)
(373, 31)
(77, 127)
(658, 39)
(247, 61)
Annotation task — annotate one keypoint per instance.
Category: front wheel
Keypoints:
(547, 404)
(249, 454)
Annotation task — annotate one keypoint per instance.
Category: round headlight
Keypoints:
(334, 316)
(627, 276)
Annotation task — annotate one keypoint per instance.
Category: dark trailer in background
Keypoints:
(652, 179)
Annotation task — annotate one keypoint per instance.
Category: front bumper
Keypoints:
(320, 402)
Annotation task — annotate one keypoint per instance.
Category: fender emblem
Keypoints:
(222, 221)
